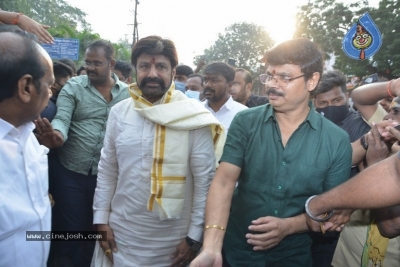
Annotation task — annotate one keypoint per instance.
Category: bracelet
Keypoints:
(323, 219)
(364, 143)
(215, 226)
(388, 89)
(15, 21)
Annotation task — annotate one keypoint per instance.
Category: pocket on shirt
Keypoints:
(129, 139)
(311, 178)
(128, 130)
(43, 175)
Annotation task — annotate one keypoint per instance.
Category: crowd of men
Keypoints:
(184, 167)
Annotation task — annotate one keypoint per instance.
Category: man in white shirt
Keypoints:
(218, 80)
(26, 75)
(156, 165)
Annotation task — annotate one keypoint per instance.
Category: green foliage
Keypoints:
(387, 18)
(64, 21)
(48, 12)
(122, 50)
(327, 21)
(244, 42)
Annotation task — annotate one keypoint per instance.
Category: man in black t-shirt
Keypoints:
(331, 101)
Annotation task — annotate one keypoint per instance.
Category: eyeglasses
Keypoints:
(94, 64)
(280, 80)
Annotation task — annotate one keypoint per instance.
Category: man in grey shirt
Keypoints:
(78, 131)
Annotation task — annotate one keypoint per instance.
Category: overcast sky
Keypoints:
(192, 25)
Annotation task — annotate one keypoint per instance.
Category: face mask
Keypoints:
(180, 86)
(193, 94)
(334, 113)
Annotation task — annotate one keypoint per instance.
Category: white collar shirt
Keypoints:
(227, 112)
(24, 201)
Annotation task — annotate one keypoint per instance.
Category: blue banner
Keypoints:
(63, 48)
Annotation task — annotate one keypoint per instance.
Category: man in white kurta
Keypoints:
(153, 231)
(24, 201)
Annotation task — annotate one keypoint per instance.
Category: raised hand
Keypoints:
(46, 135)
(29, 25)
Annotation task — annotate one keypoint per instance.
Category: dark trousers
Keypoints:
(323, 248)
(73, 211)
(224, 261)
(293, 258)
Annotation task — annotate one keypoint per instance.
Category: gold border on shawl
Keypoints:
(160, 164)
(169, 96)
(154, 171)
(217, 134)
(174, 178)
(138, 98)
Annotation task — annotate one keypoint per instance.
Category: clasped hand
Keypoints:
(271, 232)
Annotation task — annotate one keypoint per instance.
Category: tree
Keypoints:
(244, 42)
(387, 18)
(122, 50)
(48, 12)
(327, 21)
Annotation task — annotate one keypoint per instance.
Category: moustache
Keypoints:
(152, 80)
(208, 90)
(273, 91)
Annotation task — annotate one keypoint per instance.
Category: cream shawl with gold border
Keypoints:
(174, 117)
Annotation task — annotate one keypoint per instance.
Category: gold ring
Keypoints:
(107, 252)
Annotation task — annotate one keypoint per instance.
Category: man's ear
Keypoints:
(173, 73)
(112, 64)
(249, 87)
(347, 98)
(25, 88)
(230, 84)
(128, 80)
(313, 81)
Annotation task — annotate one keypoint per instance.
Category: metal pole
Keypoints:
(135, 26)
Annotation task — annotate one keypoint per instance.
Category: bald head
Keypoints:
(20, 56)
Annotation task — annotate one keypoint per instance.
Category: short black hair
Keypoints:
(17, 61)
(184, 70)
(70, 63)
(300, 51)
(330, 80)
(61, 70)
(155, 45)
(124, 67)
(78, 72)
(221, 68)
(247, 78)
(197, 75)
(106, 45)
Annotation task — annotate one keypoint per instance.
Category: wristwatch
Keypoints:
(193, 244)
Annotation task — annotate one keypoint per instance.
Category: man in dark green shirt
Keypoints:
(78, 130)
(279, 154)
